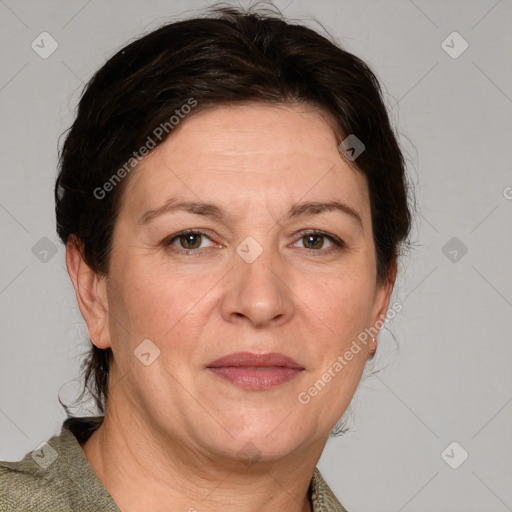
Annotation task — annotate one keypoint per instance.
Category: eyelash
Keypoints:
(338, 244)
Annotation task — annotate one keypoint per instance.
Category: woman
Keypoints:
(233, 201)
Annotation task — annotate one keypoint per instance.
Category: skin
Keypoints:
(173, 430)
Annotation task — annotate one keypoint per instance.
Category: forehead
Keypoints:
(246, 152)
(253, 128)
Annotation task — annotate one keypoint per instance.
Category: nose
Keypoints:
(258, 293)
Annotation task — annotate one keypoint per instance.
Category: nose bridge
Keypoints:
(256, 288)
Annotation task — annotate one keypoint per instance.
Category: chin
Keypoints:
(267, 438)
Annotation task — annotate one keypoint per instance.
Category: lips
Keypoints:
(256, 371)
(247, 359)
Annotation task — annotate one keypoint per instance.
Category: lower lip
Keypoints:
(256, 378)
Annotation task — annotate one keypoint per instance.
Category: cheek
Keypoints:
(159, 304)
(342, 302)
(343, 306)
(164, 309)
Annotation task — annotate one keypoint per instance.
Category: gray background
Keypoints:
(448, 380)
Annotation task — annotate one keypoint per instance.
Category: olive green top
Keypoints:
(57, 477)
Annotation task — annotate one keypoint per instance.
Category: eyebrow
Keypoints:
(212, 210)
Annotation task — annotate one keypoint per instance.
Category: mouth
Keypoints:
(256, 372)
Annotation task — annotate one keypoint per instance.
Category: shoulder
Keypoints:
(322, 497)
(55, 477)
(25, 486)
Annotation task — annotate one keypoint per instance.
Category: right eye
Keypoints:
(187, 241)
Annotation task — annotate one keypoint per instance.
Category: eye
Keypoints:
(188, 241)
(191, 241)
(315, 241)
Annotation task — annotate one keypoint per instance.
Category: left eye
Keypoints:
(316, 240)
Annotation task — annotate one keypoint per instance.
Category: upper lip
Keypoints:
(249, 359)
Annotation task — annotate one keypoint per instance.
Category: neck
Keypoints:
(142, 472)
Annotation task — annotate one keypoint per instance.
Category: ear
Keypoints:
(91, 294)
(381, 303)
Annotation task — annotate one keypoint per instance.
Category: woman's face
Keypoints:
(251, 278)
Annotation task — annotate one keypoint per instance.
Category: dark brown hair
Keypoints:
(228, 56)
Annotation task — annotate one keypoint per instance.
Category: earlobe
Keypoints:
(90, 290)
(373, 348)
